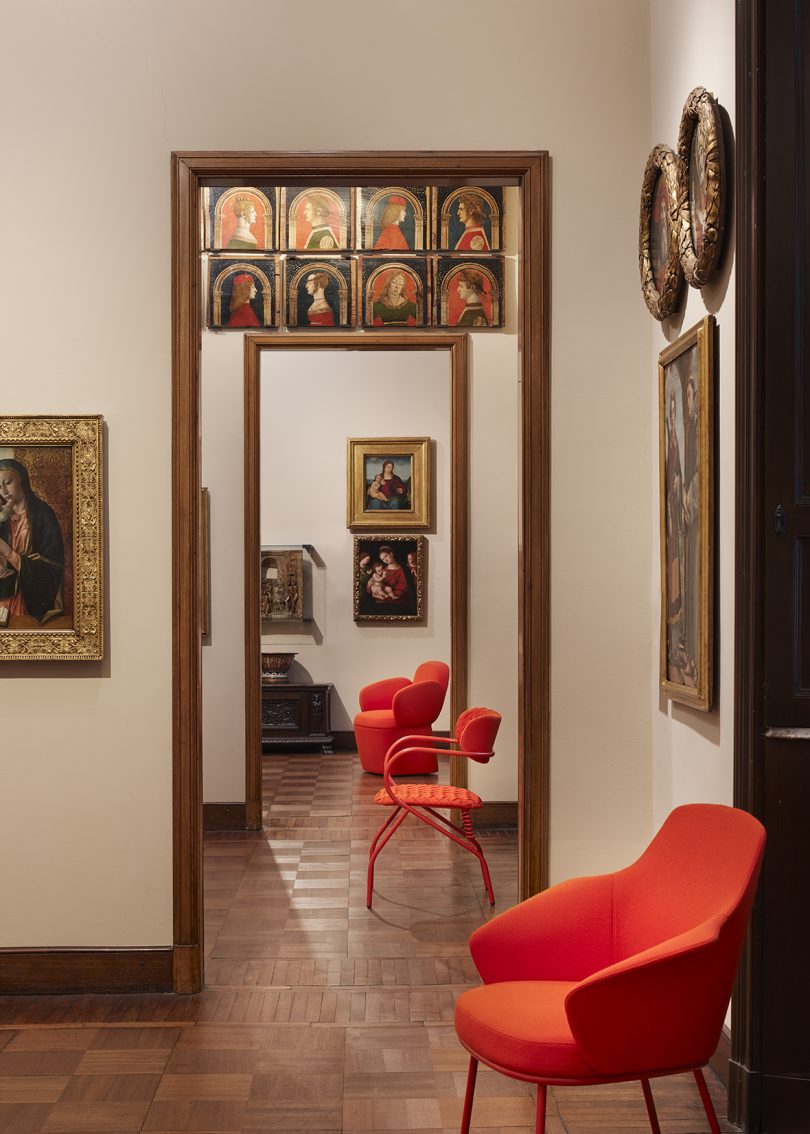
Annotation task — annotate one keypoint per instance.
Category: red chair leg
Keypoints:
(388, 828)
(714, 1125)
(468, 1097)
(651, 1112)
(540, 1128)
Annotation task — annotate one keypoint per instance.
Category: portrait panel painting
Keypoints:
(388, 482)
(318, 219)
(319, 293)
(242, 219)
(50, 538)
(469, 219)
(241, 293)
(393, 219)
(659, 233)
(686, 464)
(469, 293)
(395, 292)
(389, 578)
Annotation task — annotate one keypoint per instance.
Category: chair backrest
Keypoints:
(437, 671)
(476, 730)
(703, 863)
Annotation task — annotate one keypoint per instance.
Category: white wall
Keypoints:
(94, 97)
(693, 45)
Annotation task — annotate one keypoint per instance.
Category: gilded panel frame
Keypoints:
(406, 557)
(662, 295)
(700, 147)
(82, 537)
(358, 512)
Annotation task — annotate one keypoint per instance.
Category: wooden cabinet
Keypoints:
(296, 714)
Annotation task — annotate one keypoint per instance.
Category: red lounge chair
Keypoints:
(399, 707)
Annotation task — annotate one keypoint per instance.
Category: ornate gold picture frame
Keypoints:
(51, 539)
(686, 470)
(700, 147)
(663, 196)
(388, 482)
(389, 578)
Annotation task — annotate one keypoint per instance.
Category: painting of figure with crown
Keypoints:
(318, 293)
(242, 219)
(470, 219)
(469, 293)
(241, 293)
(395, 292)
(393, 219)
(318, 219)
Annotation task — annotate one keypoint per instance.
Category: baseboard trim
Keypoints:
(495, 814)
(721, 1059)
(46, 972)
(224, 816)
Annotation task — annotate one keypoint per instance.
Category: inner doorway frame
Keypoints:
(191, 172)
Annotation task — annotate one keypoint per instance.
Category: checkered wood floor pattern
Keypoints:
(318, 1015)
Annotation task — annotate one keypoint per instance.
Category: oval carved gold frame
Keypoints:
(700, 112)
(663, 160)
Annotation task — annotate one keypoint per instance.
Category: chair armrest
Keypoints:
(564, 933)
(659, 1009)
(380, 694)
(418, 704)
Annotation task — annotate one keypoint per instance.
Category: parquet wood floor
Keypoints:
(318, 1015)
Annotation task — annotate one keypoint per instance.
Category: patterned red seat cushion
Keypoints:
(431, 795)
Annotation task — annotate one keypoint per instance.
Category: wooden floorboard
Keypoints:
(317, 1015)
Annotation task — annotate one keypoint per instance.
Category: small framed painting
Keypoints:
(469, 293)
(241, 293)
(686, 474)
(318, 293)
(663, 193)
(395, 292)
(282, 583)
(700, 146)
(389, 578)
(51, 539)
(317, 219)
(242, 219)
(388, 482)
(393, 219)
(469, 219)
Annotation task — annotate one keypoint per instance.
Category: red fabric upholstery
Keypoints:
(625, 975)
(395, 707)
(430, 795)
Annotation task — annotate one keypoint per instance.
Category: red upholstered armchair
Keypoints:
(399, 707)
(621, 976)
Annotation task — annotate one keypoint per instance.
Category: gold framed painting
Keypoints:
(663, 200)
(388, 482)
(686, 475)
(389, 578)
(51, 539)
(700, 146)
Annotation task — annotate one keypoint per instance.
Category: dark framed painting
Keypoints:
(663, 194)
(469, 219)
(241, 293)
(388, 482)
(686, 474)
(51, 539)
(389, 578)
(394, 219)
(242, 219)
(318, 219)
(282, 583)
(318, 293)
(469, 293)
(700, 147)
(395, 292)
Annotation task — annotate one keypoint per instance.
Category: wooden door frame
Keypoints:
(255, 345)
(530, 171)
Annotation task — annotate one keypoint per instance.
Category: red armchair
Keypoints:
(621, 976)
(398, 707)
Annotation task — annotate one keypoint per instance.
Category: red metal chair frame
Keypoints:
(463, 836)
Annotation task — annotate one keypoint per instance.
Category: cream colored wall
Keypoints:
(95, 96)
(693, 45)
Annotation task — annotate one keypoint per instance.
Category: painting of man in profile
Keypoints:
(318, 219)
(241, 219)
(393, 219)
(469, 293)
(241, 293)
(469, 219)
(318, 293)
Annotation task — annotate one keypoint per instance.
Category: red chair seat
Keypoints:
(377, 718)
(522, 1025)
(430, 795)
